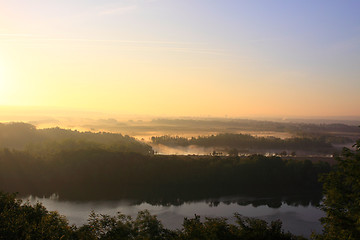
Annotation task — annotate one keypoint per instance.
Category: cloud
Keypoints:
(119, 10)
(126, 45)
(15, 35)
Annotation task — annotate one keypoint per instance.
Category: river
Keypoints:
(296, 218)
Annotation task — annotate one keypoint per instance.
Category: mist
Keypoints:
(179, 150)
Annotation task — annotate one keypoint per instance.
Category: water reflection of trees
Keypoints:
(272, 202)
(256, 201)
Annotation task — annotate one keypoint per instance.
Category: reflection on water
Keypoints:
(297, 219)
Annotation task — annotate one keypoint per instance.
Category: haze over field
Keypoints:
(182, 58)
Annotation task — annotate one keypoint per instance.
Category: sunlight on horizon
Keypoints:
(4, 83)
(145, 57)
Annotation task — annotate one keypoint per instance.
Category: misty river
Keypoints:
(296, 218)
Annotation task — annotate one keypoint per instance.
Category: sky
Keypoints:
(182, 57)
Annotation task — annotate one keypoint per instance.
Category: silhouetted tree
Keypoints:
(233, 152)
(20, 220)
(342, 197)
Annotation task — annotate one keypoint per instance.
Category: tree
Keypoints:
(283, 154)
(233, 152)
(20, 220)
(342, 197)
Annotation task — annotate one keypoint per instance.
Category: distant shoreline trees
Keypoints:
(246, 142)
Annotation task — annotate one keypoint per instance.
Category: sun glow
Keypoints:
(4, 84)
(2, 74)
(146, 58)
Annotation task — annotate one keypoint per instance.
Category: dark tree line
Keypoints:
(250, 125)
(98, 173)
(247, 142)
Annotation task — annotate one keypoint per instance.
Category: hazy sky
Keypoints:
(182, 57)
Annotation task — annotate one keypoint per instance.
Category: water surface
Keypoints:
(298, 219)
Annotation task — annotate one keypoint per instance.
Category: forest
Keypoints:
(337, 132)
(246, 143)
(85, 165)
(254, 125)
(25, 136)
(19, 220)
(96, 173)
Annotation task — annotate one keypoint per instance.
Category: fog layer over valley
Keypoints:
(203, 136)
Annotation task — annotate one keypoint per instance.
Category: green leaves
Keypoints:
(20, 220)
(342, 197)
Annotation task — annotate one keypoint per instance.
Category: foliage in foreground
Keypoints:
(342, 197)
(23, 221)
(20, 220)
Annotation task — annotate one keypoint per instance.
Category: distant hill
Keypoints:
(22, 136)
